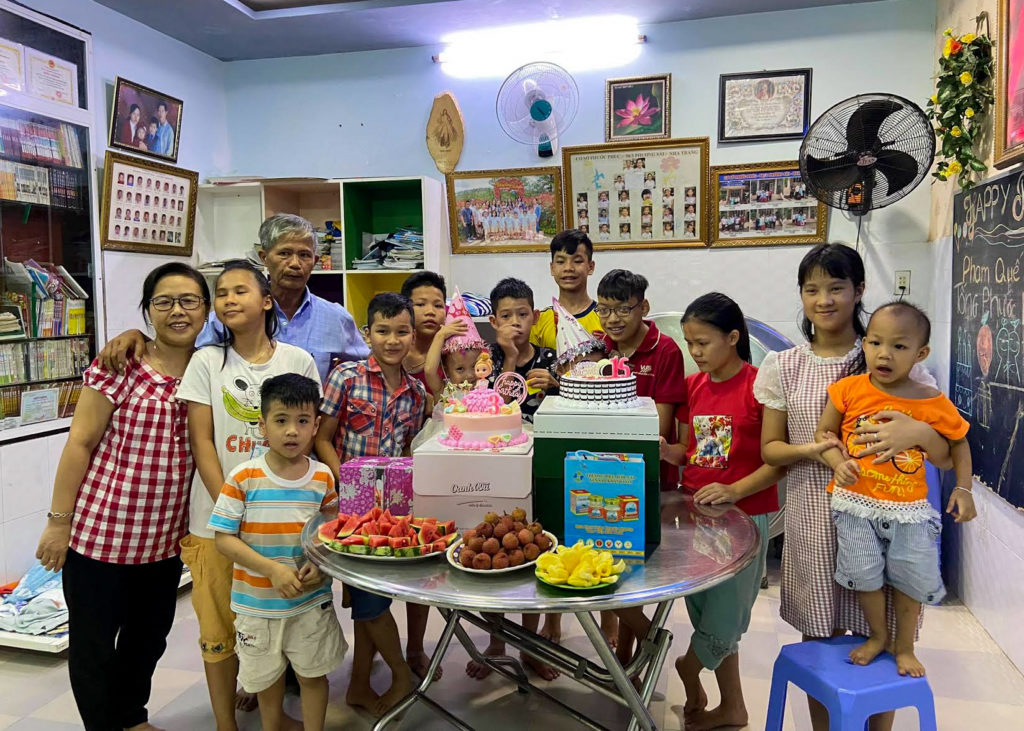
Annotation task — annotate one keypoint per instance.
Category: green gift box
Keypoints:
(561, 429)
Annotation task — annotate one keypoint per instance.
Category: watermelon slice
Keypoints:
(349, 526)
(356, 540)
(387, 515)
(371, 528)
(399, 542)
(397, 531)
(428, 534)
(450, 538)
(376, 512)
(416, 522)
(447, 528)
(407, 551)
(328, 531)
(377, 541)
(439, 546)
(343, 518)
(426, 548)
(361, 549)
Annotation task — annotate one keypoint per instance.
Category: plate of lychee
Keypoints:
(501, 543)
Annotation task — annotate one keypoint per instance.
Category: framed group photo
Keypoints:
(1009, 48)
(764, 204)
(145, 121)
(496, 211)
(764, 105)
(147, 206)
(638, 108)
(648, 194)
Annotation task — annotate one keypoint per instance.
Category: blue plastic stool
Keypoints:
(851, 693)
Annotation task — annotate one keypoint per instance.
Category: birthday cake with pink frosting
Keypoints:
(480, 420)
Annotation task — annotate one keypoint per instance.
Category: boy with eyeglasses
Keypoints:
(657, 363)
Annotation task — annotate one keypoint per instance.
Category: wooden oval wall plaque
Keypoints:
(445, 132)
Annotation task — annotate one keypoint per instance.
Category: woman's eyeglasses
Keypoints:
(187, 302)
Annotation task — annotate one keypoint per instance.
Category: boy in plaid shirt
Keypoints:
(374, 408)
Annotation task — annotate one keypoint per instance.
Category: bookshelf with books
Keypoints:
(50, 283)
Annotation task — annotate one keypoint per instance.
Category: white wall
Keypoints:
(364, 114)
(124, 47)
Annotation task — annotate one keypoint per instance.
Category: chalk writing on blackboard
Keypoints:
(986, 382)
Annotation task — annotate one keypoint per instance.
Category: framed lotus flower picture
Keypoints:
(638, 108)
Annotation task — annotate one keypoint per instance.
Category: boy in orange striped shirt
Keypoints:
(284, 609)
(885, 527)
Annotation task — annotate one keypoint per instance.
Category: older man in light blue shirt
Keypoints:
(318, 326)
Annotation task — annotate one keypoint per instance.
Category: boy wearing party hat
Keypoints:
(575, 344)
(456, 347)
(572, 263)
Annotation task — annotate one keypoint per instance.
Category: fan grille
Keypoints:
(867, 152)
(553, 83)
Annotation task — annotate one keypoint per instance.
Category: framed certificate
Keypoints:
(12, 65)
(51, 78)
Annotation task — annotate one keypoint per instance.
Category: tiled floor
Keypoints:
(975, 685)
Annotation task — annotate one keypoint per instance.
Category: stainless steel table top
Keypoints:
(701, 546)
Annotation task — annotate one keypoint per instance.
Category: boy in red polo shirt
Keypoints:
(655, 359)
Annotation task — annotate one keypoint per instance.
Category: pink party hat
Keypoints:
(572, 339)
(471, 340)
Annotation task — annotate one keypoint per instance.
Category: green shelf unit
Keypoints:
(378, 206)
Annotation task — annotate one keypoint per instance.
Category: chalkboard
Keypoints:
(986, 382)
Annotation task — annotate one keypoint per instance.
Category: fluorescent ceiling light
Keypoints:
(577, 44)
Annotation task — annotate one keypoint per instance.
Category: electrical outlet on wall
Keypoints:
(902, 285)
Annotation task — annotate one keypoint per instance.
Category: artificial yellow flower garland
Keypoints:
(963, 94)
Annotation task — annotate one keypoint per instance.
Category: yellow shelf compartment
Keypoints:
(360, 287)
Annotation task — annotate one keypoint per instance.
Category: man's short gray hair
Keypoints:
(285, 226)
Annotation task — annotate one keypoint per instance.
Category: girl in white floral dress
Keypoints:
(792, 385)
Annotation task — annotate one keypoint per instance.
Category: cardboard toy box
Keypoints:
(463, 486)
(559, 429)
(605, 503)
(367, 482)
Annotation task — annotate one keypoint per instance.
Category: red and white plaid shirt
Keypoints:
(132, 506)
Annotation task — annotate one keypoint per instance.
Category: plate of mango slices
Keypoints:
(579, 568)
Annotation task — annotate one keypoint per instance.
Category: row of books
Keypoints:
(49, 300)
(56, 142)
(43, 360)
(47, 186)
(67, 398)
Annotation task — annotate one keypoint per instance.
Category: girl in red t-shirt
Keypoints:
(720, 448)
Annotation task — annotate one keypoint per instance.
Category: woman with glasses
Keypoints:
(120, 508)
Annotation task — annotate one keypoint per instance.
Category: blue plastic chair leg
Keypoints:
(777, 701)
(926, 713)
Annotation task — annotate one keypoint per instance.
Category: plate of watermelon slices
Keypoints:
(377, 535)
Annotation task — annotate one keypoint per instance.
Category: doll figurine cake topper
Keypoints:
(483, 369)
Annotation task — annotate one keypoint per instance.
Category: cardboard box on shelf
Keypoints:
(463, 485)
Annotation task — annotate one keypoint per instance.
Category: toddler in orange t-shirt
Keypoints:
(886, 529)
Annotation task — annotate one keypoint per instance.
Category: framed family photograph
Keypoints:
(145, 121)
(638, 195)
(497, 211)
(638, 108)
(1009, 127)
(147, 206)
(764, 105)
(764, 204)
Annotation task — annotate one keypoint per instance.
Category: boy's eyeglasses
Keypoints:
(621, 310)
(187, 302)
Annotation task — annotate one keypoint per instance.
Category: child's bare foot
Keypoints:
(696, 697)
(720, 717)
(544, 671)
(610, 628)
(401, 686)
(245, 702)
(419, 661)
(872, 648)
(478, 670)
(552, 628)
(363, 697)
(908, 664)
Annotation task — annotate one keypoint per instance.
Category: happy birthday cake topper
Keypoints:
(512, 386)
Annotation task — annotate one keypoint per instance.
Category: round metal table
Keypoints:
(701, 546)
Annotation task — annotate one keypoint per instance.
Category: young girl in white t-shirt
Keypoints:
(222, 388)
